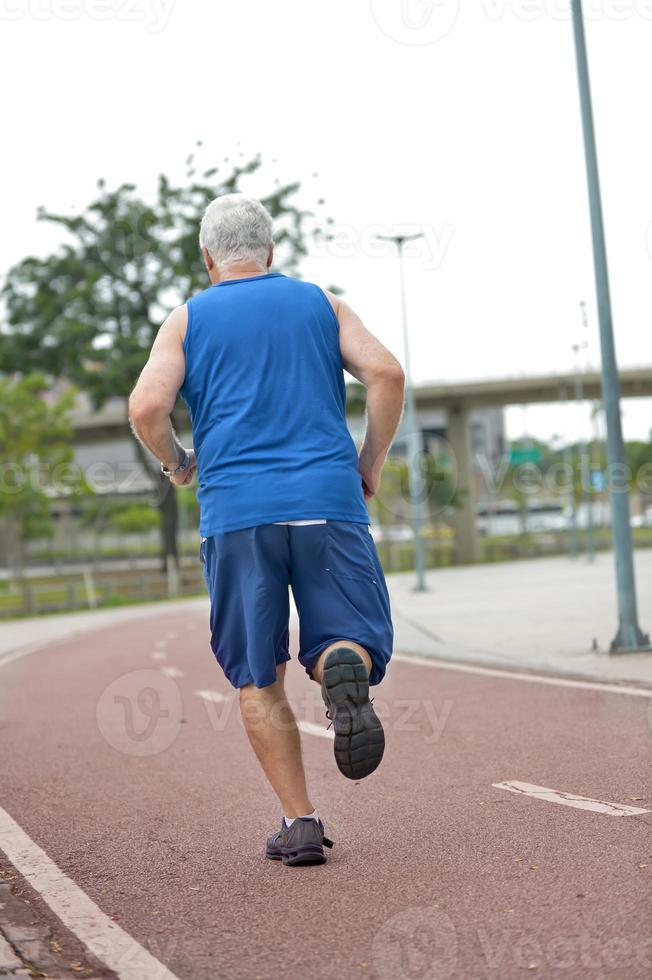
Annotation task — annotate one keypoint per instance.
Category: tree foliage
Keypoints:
(35, 457)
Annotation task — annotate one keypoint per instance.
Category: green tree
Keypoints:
(134, 519)
(35, 459)
(89, 311)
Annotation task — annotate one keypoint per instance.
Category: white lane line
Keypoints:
(569, 799)
(311, 729)
(171, 671)
(172, 635)
(9, 658)
(512, 675)
(161, 644)
(213, 696)
(158, 655)
(102, 937)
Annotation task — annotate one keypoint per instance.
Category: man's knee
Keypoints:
(317, 670)
(260, 705)
(248, 691)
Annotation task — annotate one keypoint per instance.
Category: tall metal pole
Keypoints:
(629, 635)
(414, 433)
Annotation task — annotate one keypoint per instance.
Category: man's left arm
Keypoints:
(153, 399)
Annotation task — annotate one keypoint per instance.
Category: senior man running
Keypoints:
(258, 357)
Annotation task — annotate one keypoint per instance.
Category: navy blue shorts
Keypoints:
(338, 587)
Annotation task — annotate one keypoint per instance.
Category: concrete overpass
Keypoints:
(635, 382)
(458, 398)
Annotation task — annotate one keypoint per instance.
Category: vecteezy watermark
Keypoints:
(153, 14)
(422, 475)
(428, 485)
(559, 10)
(582, 954)
(421, 22)
(415, 716)
(100, 476)
(560, 477)
(417, 942)
(415, 22)
(140, 712)
(346, 241)
(423, 942)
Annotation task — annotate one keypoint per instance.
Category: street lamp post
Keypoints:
(629, 636)
(414, 434)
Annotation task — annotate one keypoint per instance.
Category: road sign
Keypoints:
(530, 455)
(598, 481)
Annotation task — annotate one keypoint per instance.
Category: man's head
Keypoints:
(236, 235)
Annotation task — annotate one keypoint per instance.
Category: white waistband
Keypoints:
(298, 523)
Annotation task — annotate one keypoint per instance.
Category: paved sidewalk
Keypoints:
(543, 614)
(30, 946)
(37, 631)
(553, 614)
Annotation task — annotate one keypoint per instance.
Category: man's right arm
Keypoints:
(374, 366)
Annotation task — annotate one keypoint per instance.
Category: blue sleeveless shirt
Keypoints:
(264, 386)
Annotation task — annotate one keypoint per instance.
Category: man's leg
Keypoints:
(343, 670)
(272, 730)
(317, 671)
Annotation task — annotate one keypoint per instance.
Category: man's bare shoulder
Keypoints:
(332, 299)
(176, 324)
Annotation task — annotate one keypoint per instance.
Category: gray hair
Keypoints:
(235, 227)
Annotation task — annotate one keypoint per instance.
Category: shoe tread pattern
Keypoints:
(359, 736)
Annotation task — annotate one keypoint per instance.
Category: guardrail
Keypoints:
(92, 589)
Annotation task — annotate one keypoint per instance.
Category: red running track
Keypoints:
(157, 810)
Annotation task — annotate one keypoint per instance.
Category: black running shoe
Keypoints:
(301, 843)
(359, 735)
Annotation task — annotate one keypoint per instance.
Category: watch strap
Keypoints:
(185, 459)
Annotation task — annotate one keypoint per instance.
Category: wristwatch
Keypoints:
(185, 460)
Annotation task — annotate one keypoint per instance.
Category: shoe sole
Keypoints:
(302, 855)
(359, 735)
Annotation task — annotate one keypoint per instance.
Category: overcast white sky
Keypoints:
(460, 120)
